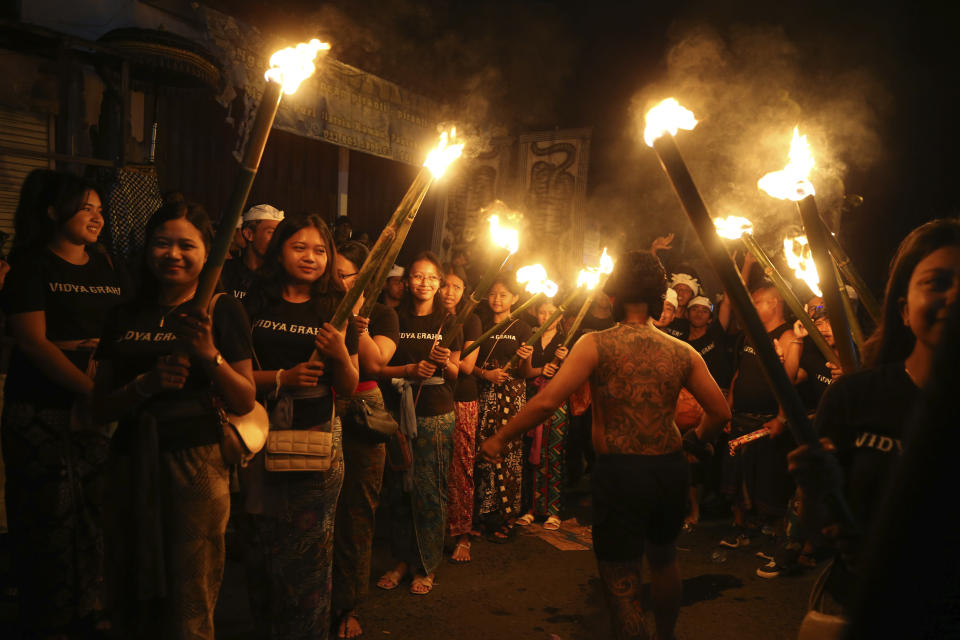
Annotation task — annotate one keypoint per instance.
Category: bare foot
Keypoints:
(349, 626)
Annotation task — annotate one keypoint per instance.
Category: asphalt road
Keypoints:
(528, 589)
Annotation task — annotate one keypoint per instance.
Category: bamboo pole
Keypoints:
(500, 325)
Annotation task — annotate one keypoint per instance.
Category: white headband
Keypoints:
(684, 278)
(701, 300)
(262, 212)
(671, 297)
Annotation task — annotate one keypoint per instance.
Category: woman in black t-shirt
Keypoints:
(363, 457)
(421, 374)
(502, 394)
(165, 371)
(56, 297)
(293, 512)
(548, 442)
(863, 416)
(460, 497)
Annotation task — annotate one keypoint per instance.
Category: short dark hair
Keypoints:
(638, 278)
(355, 252)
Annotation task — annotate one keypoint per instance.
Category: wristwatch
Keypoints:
(217, 360)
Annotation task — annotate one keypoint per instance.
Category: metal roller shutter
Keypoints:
(19, 130)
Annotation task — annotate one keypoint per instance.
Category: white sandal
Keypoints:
(525, 520)
(552, 523)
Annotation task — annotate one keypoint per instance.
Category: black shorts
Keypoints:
(637, 499)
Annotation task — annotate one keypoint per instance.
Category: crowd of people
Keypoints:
(119, 490)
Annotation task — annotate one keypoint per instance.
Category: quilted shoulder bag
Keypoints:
(300, 449)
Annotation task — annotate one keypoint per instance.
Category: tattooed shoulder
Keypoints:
(636, 384)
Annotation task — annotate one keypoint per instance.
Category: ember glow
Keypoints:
(293, 65)
(589, 277)
(800, 259)
(792, 182)
(667, 117)
(732, 227)
(445, 153)
(535, 278)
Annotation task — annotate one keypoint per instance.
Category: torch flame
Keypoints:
(505, 237)
(440, 158)
(606, 262)
(293, 65)
(800, 259)
(732, 227)
(589, 277)
(667, 117)
(535, 277)
(791, 182)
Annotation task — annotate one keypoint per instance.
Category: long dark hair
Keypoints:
(450, 269)
(193, 213)
(638, 277)
(271, 277)
(892, 341)
(48, 199)
(428, 256)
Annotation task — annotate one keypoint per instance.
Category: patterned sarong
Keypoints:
(460, 498)
(548, 475)
(498, 491)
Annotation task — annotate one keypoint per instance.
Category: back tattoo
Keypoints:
(635, 389)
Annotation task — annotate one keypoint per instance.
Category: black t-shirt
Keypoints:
(752, 392)
(818, 375)
(75, 300)
(283, 337)
(133, 340)
(864, 414)
(417, 336)
(679, 328)
(383, 322)
(466, 390)
(497, 350)
(543, 355)
(714, 347)
(237, 278)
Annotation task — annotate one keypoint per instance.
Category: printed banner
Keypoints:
(339, 103)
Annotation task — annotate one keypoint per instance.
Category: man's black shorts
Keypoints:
(637, 498)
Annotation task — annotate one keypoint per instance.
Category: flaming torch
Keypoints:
(507, 238)
(734, 227)
(373, 273)
(535, 277)
(606, 268)
(588, 279)
(792, 183)
(288, 68)
(661, 123)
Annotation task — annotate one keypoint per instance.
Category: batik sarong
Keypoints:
(548, 475)
(498, 492)
(460, 498)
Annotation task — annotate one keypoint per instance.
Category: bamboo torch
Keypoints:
(507, 239)
(288, 68)
(662, 122)
(373, 273)
(535, 277)
(846, 267)
(437, 162)
(588, 279)
(606, 268)
(734, 227)
(792, 183)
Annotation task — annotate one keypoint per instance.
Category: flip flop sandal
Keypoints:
(506, 535)
(552, 523)
(422, 581)
(460, 545)
(525, 520)
(394, 578)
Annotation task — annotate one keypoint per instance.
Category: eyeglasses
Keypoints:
(344, 276)
(419, 277)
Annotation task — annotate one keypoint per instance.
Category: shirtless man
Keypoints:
(640, 477)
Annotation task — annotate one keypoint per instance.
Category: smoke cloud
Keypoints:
(749, 87)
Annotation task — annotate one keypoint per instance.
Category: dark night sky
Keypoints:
(538, 65)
